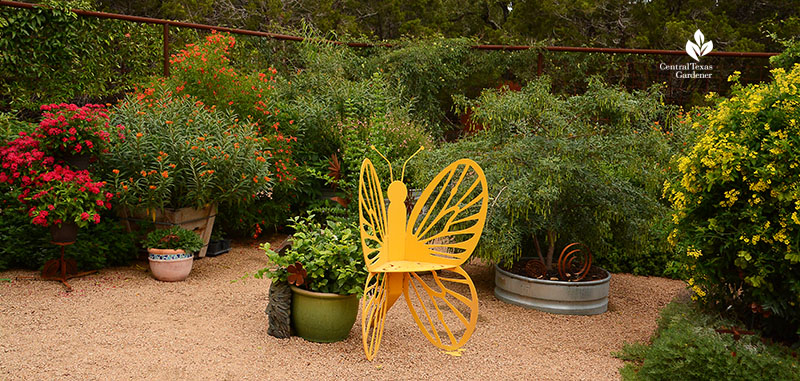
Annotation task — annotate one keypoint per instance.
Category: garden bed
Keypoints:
(121, 323)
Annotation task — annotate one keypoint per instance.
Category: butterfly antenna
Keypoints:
(403, 174)
(387, 161)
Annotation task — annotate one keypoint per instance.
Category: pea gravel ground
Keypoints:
(121, 324)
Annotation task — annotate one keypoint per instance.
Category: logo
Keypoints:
(700, 47)
(693, 70)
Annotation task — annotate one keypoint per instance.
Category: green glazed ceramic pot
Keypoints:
(323, 317)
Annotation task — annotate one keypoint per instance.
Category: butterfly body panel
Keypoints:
(395, 241)
(419, 255)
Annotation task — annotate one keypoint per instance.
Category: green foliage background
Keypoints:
(337, 96)
(687, 347)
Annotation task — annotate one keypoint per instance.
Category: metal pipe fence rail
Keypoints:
(540, 62)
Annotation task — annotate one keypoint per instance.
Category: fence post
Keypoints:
(166, 50)
(539, 64)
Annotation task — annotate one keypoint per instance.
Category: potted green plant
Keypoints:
(326, 270)
(171, 252)
(180, 160)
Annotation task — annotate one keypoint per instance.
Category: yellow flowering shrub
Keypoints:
(736, 202)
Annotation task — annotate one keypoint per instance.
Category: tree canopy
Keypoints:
(735, 25)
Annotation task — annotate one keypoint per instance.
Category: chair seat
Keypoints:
(408, 266)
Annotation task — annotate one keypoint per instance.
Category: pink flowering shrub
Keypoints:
(64, 195)
(67, 129)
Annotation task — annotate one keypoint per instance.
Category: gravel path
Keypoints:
(122, 324)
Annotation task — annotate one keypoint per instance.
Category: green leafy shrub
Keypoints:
(330, 254)
(205, 71)
(396, 137)
(332, 88)
(428, 71)
(584, 168)
(11, 126)
(175, 238)
(178, 153)
(103, 245)
(790, 55)
(687, 347)
(51, 55)
(737, 204)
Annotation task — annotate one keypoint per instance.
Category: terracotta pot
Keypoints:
(170, 265)
(66, 232)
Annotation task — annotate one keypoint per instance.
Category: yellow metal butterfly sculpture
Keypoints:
(420, 255)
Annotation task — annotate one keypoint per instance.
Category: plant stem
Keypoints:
(551, 241)
(538, 248)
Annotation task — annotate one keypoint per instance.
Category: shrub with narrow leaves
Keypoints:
(179, 153)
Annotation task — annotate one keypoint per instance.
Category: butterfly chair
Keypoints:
(419, 255)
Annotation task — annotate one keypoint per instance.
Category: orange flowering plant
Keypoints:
(179, 153)
(204, 70)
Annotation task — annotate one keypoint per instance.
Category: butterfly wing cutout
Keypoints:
(430, 295)
(373, 312)
(446, 222)
(444, 228)
(371, 215)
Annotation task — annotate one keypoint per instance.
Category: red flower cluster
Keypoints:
(69, 129)
(64, 195)
(52, 193)
(21, 161)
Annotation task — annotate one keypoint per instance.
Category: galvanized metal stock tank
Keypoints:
(558, 297)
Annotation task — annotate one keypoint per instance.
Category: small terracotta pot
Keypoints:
(170, 265)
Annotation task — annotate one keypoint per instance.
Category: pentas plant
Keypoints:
(21, 161)
(67, 129)
(63, 195)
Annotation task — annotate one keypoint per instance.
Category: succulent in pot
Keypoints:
(171, 252)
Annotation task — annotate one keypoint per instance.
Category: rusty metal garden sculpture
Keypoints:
(574, 264)
(419, 255)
